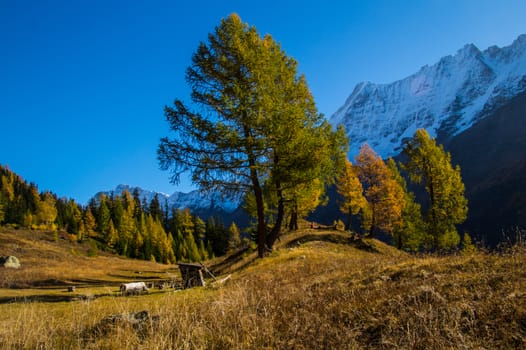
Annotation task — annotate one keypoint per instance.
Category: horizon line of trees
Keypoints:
(123, 223)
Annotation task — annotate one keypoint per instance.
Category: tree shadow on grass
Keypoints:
(49, 298)
(336, 238)
(244, 257)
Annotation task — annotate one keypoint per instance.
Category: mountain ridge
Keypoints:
(194, 200)
(445, 98)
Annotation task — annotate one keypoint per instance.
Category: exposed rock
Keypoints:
(141, 322)
(10, 262)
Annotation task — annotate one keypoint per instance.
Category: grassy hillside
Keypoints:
(319, 289)
(53, 262)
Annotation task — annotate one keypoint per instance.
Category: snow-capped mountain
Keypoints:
(193, 200)
(445, 98)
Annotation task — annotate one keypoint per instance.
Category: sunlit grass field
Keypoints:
(317, 290)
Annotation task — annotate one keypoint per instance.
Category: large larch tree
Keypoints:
(255, 123)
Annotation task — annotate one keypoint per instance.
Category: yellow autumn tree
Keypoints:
(303, 199)
(384, 195)
(46, 211)
(111, 235)
(350, 189)
(235, 237)
(90, 224)
(429, 165)
(411, 234)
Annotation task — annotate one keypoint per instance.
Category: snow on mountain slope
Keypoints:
(445, 98)
(180, 200)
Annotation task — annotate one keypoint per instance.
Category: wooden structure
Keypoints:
(192, 274)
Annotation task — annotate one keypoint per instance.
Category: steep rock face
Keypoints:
(445, 98)
(492, 157)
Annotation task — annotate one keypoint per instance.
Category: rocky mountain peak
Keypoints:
(445, 98)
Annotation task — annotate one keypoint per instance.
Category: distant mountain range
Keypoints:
(446, 98)
(180, 200)
(203, 205)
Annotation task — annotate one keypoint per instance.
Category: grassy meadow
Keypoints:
(318, 290)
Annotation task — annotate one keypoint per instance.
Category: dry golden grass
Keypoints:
(48, 260)
(319, 290)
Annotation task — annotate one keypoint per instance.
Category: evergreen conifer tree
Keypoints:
(117, 210)
(199, 228)
(350, 189)
(46, 211)
(192, 250)
(179, 247)
(259, 121)
(155, 208)
(410, 234)
(428, 164)
(2, 210)
(126, 230)
(235, 237)
(137, 205)
(90, 224)
(202, 251)
(111, 235)
(103, 216)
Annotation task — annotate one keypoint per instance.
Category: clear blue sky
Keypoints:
(83, 83)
